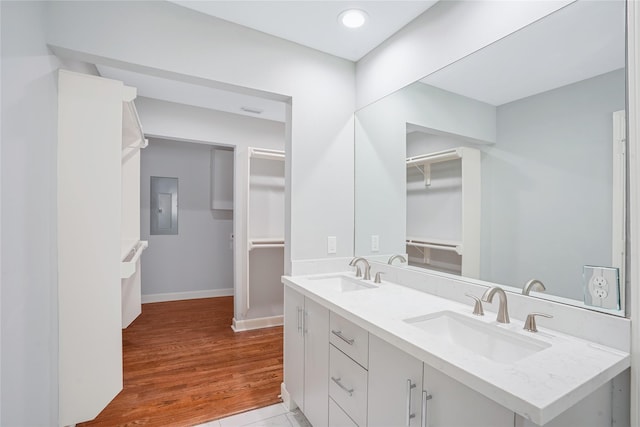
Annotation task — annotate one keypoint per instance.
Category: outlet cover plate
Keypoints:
(601, 287)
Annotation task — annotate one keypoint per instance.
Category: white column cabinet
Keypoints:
(306, 355)
(452, 404)
(89, 244)
(395, 386)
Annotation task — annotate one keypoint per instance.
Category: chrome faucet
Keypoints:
(367, 267)
(395, 257)
(533, 285)
(503, 312)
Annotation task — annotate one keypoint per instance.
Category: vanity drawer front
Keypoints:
(337, 417)
(350, 338)
(348, 385)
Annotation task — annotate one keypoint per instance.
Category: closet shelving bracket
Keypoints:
(423, 162)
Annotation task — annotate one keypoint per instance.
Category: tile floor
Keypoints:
(270, 416)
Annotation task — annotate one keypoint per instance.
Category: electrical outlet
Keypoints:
(332, 245)
(601, 287)
(375, 243)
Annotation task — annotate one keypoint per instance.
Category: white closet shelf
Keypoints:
(440, 244)
(266, 243)
(130, 260)
(437, 157)
(132, 134)
(265, 153)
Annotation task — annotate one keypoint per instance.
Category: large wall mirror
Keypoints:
(508, 165)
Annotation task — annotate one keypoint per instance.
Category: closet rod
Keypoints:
(457, 248)
(264, 153)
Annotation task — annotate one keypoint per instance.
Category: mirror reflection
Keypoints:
(508, 165)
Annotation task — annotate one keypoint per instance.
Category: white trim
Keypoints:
(178, 296)
(288, 403)
(262, 322)
(633, 68)
(618, 205)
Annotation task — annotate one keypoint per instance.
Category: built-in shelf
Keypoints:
(266, 243)
(443, 245)
(130, 260)
(264, 207)
(132, 134)
(468, 192)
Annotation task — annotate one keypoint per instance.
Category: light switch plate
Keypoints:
(332, 244)
(375, 243)
(601, 287)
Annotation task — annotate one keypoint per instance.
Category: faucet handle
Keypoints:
(378, 279)
(530, 322)
(477, 306)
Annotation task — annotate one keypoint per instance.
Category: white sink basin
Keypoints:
(482, 339)
(343, 283)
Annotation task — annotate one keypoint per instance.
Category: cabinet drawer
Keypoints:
(337, 417)
(348, 385)
(351, 339)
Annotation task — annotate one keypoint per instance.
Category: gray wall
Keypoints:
(547, 186)
(29, 296)
(199, 257)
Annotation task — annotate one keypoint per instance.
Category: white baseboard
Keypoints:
(177, 296)
(262, 322)
(286, 398)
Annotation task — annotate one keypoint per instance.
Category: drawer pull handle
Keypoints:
(349, 341)
(337, 381)
(409, 414)
(299, 319)
(425, 397)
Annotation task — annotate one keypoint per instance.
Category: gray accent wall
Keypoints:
(547, 185)
(199, 257)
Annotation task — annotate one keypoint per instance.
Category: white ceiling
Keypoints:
(583, 40)
(310, 23)
(315, 23)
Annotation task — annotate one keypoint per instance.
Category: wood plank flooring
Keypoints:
(183, 365)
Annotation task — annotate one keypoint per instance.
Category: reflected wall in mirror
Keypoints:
(507, 165)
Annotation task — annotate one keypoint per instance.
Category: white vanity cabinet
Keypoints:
(399, 390)
(452, 404)
(306, 355)
(347, 364)
(395, 386)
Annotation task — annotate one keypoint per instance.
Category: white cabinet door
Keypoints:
(306, 356)
(395, 386)
(89, 203)
(294, 346)
(453, 404)
(316, 364)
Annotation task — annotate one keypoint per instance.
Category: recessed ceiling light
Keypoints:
(353, 18)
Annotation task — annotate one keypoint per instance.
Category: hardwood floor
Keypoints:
(183, 365)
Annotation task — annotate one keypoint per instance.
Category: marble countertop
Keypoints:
(538, 387)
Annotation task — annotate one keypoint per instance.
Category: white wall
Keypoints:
(195, 47)
(186, 122)
(199, 257)
(446, 32)
(28, 152)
